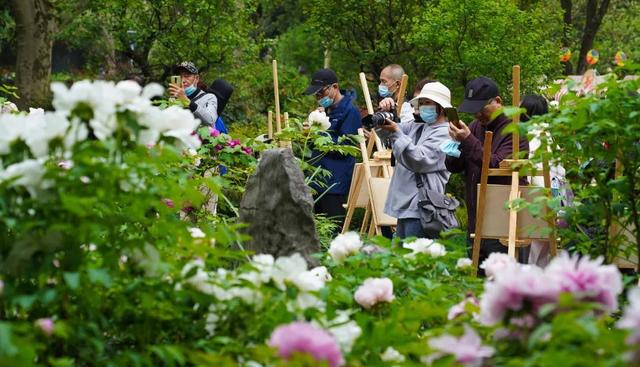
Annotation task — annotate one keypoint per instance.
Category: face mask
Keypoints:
(190, 90)
(383, 91)
(326, 102)
(428, 114)
(450, 148)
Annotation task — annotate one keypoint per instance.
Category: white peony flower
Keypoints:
(322, 273)
(308, 282)
(196, 232)
(392, 355)
(319, 118)
(344, 245)
(152, 90)
(29, 173)
(425, 246)
(10, 130)
(463, 263)
(345, 330)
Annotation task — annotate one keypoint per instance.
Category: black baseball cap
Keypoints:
(187, 66)
(477, 93)
(321, 79)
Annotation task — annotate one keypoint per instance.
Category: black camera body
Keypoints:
(378, 119)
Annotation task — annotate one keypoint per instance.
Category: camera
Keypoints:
(378, 119)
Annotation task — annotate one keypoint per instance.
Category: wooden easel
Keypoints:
(276, 95)
(494, 194)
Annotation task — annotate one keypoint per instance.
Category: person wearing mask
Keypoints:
(481, 99)
(203, 105)
(344, 119)
(415, 146)
(389, 90)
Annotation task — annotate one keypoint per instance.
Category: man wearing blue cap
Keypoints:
(481, 99)
(345, 120)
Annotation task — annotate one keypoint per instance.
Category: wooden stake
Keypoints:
(270, 124)
(276, 94)
(513, 214)
(516, 103)
(286, 120)
(482, 197)
(365, 93)
(401, 94)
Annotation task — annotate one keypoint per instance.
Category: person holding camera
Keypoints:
(389, 89)
(419, 160)
(203, 105)
(344, 119)
(481, 99)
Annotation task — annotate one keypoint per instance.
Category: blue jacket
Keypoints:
(345, 120)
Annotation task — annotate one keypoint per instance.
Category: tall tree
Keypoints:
(35, 30)
(594, 12)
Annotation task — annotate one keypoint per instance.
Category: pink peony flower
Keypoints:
(467, 350)
(233, 143)
(213, 132)
(218, 147)
(631, 317)
(496, 262)
(459, 309)
(302, 337)
(168, 203)
(514, 289)
(45, 325)
(374, 290)
(247, 150)
(586, 279)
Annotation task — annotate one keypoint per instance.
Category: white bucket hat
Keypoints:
(436, 92)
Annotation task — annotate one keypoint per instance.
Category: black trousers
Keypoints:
(331, 206)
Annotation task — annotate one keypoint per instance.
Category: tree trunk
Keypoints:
(594, 17)
(35, 27)
(567, 6)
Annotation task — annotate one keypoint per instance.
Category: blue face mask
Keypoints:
(450, 148)
(383, 91)
(428, 114)
(190, 90)
(326, 102)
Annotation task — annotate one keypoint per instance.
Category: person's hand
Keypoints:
(178, 92)
(459, 133)
(390, 125)
(387, 104)
(367, 134)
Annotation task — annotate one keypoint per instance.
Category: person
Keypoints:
(344, 120)
(389, 90)
(203, 105)
(415, 146)
(536, 105)
(481, 99)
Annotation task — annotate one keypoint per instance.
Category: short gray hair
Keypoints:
(396, 71)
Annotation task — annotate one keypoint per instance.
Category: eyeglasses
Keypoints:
(322, 91)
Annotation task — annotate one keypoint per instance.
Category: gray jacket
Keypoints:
(204, 106)
(424, 158)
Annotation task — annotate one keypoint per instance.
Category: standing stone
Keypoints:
(278, 207)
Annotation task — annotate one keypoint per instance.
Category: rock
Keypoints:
(278, 208)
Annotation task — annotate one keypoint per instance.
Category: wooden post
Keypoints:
(401, 94)
(270, 124)
(515, 177)
(484, 178)
(513, 213)
(276, 94)
(365, 93)
(516, 103)
(286, 120)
